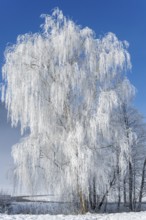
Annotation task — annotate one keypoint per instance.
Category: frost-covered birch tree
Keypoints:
(63, 85)
(135, 175)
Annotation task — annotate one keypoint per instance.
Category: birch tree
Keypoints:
(63, 85)
(130, 187)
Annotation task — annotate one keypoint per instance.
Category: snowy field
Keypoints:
(117, 216)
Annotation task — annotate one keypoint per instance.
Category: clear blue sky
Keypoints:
(126, 18)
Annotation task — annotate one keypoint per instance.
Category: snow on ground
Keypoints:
(117, 216)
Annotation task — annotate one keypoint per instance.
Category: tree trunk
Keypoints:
(119, 197)
(130, 186)
(92, 195)
(106, 193)
(119, 187)
(142, 185)
(124, 192)
(134, 186)
(83, 203)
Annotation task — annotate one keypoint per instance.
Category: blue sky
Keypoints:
(126, 18)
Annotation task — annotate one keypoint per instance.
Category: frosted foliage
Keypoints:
(63, 85)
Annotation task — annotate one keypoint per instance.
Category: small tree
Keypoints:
(132, 183)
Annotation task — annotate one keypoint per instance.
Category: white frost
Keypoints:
(64, 85)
